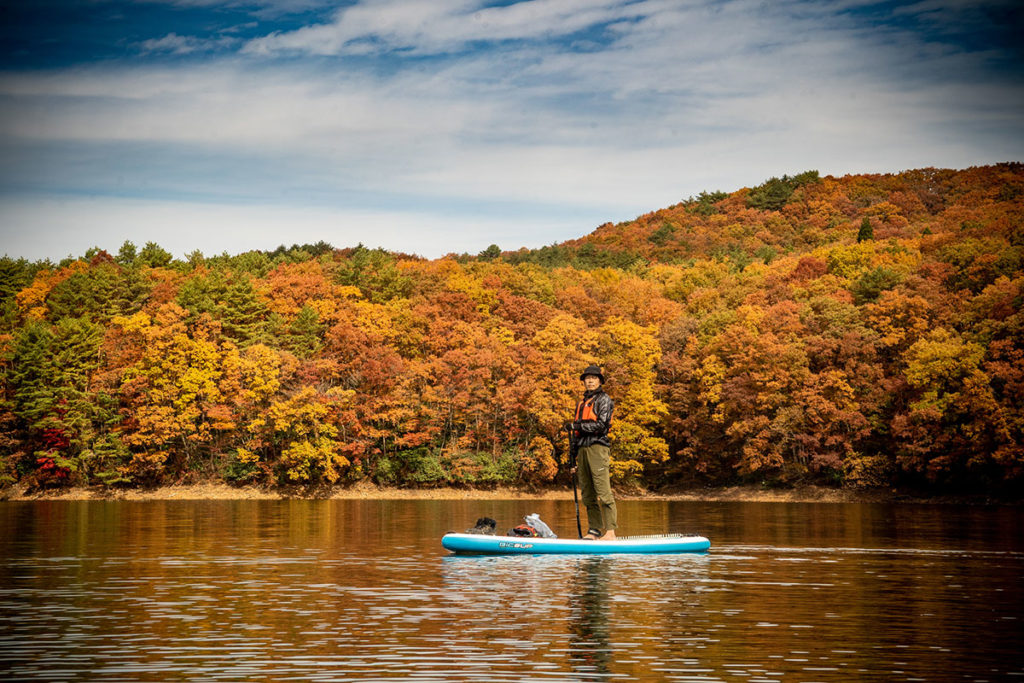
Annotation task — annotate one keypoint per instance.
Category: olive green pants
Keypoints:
(596, 487)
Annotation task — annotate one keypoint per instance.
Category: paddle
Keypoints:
(575, 496)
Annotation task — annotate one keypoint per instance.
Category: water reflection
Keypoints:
(589, 642)
(362, 590)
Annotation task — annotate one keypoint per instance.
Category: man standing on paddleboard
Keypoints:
(590, 426)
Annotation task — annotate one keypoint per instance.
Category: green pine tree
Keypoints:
(773, 194)
(49, 378)
(866, 232)
(155, 256)
(243, 314)
(127, 255)
(15, 275)
(132, 293)
(203, 294)
(91, 294)
(375, 272)
(31, 373)
(490, 253)
(255, 263)
(304, 333)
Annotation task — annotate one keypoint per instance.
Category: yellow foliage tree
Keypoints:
(561, 350)
(174, 389)
(538, 463)
(32, 300)
(630, 354)
(302, 429)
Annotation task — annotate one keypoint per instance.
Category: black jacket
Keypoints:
(590, 432)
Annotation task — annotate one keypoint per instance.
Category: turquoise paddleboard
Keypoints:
(481, 544)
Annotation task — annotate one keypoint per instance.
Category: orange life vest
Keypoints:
(585, 410)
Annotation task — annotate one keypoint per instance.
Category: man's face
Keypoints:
(590, 382)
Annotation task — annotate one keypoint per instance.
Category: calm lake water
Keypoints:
(362, 590)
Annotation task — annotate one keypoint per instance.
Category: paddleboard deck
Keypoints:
(481, 544)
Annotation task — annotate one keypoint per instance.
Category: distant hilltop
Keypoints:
(796, 214)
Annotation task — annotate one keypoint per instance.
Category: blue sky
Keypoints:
(438, 126)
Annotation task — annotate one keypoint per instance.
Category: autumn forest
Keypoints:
(856, 331)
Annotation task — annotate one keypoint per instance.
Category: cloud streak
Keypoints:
(184, 45)
(444, 26)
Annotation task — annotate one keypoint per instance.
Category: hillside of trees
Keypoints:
(858, 331)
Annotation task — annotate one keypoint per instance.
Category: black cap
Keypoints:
(594, 370)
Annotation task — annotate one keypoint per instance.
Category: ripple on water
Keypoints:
(285, 600)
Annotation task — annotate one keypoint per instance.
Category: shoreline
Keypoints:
(364, 491)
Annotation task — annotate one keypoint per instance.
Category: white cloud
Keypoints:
(676, 97)
(183, 45)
